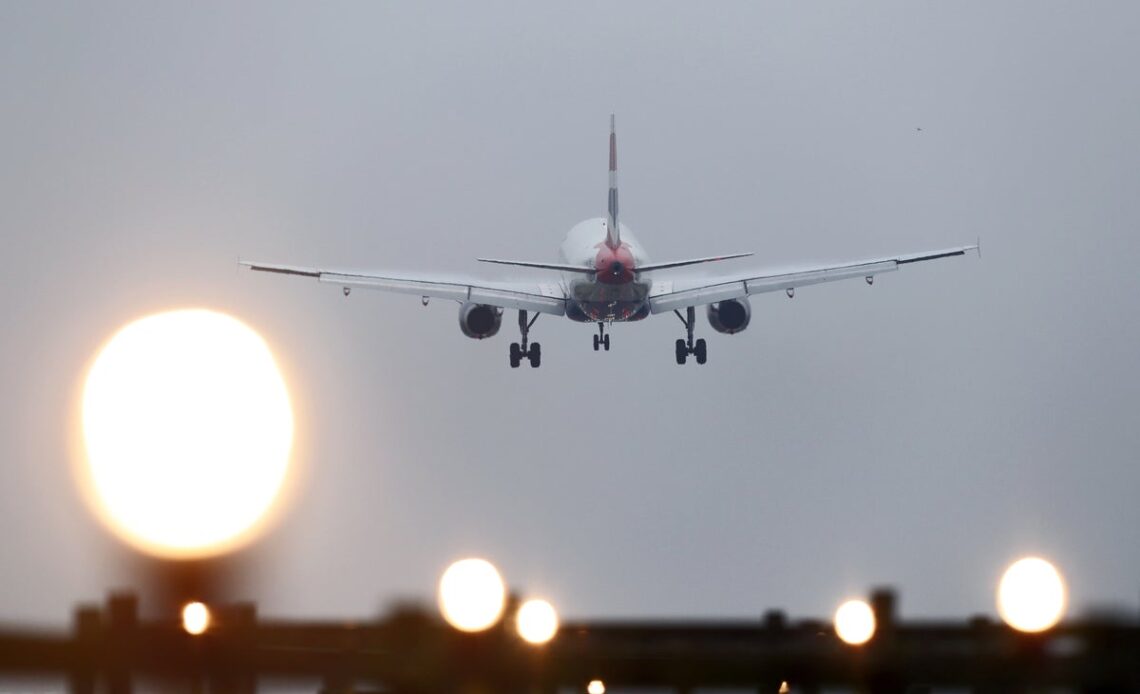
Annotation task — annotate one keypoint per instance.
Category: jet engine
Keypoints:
(730, 316)
(480, 320)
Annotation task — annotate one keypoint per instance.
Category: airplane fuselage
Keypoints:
(616, 291)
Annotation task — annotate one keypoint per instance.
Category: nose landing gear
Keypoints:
(601, 340)
(520, 350)
(687, 346)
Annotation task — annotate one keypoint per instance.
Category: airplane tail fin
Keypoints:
(613, 233)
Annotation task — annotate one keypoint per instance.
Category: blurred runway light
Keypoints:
(596, 687)
(537, 621)
(855, 622)
(188, 429)
(784, 688)
(1031, 595)
(472, 595)
(195, 618)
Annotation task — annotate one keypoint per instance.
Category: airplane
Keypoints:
(605, 277)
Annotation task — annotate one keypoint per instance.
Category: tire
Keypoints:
(606, 342)
(516, 355)
(595, 343)
(682, 351)
(535, 355)
(700, 350)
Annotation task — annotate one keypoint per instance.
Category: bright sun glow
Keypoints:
(537, 621)
(195, 618)
(472, 595)
(188, 429)
(1031, 596)
(855, 622)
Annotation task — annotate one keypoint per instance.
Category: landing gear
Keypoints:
(520, 351)
(601, 340)
(687, 346)
(534, 354)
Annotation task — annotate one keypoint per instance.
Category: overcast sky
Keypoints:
(922, 432)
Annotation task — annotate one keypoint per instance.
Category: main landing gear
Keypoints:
(687, 346)
(601, 340)
(533, 353)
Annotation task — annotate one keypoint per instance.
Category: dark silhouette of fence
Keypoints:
(411, 650)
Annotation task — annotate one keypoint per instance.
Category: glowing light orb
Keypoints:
(855, 622)
(596, 687)
(472, 595)
(1031, 596)
(195, 618)
(188, 428)
(537, 621)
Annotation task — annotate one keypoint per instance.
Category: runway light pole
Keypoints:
(1031, 596)
(537, 621)
(195, 618)
(855, 622)
(472, 595)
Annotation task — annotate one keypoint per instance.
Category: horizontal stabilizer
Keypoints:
(542, 266)
(692, 261)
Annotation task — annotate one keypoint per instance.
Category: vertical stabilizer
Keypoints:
(613, 234)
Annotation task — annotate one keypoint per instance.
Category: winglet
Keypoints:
(613, 233)
(979, 247)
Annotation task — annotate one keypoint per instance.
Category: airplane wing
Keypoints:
(526, 296)
(669, 296)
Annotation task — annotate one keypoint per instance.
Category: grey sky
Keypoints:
(922, 432)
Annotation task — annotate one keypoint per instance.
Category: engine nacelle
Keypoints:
(730, 316)
(480, 320)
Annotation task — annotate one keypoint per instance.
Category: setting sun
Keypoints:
(188, 430)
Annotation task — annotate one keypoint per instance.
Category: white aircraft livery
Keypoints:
(604, 277)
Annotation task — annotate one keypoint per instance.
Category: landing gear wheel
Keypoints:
(688, 346)
(526, 350)
(601, 340)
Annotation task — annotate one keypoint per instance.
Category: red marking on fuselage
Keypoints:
(614, 265)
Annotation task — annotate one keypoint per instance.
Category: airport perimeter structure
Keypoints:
(412, 651)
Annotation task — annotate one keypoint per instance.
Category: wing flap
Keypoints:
(808, 277)
(545, 298)
(721, 289)
(399, 285)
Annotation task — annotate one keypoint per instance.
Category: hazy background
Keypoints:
(923, 432)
